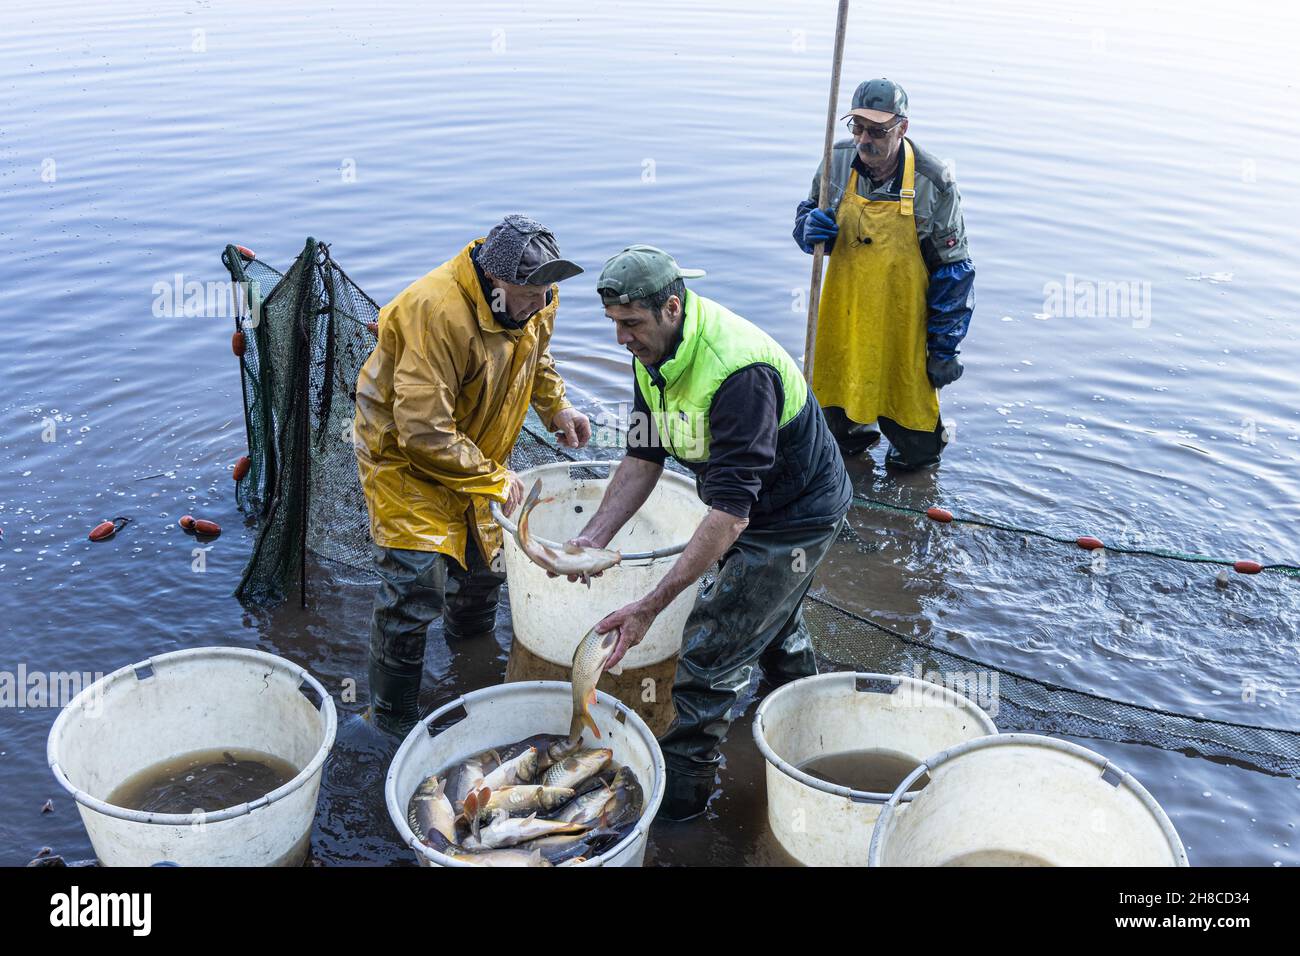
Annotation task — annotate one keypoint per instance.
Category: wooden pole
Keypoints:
(819, 250)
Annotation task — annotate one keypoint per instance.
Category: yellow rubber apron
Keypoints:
(870, 352)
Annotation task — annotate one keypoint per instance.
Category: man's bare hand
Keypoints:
(631, 622)
(572, 428)
(514, 493)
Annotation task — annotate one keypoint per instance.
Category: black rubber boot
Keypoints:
(394, 696)
(858, 440)
(686, 796)
(853, 437)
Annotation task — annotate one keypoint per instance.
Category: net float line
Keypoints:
(1086, 542)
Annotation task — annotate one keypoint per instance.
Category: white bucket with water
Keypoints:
(550, 616)
(824, 824)
(207, 698)
(504, 714)
(1025, 800)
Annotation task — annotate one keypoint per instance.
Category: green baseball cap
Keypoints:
(638, 272)
(878, 101)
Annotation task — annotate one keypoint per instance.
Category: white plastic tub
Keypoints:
(1025, 800)
(550, 616)
(824, 824)
(500, 715)
(200, 699)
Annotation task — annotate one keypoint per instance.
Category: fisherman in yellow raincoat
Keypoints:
(900, 286)
(461, 355)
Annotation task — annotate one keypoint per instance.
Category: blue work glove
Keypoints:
(943, 371)
(819, 227)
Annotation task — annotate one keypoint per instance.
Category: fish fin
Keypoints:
(586, 718)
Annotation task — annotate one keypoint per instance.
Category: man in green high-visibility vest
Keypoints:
(720, 396)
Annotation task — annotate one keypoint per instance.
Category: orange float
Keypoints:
(942, 515)
(106, 529)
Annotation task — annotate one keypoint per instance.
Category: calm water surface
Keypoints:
(1154, 148)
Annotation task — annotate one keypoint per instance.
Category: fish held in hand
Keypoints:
(588, 660)
(563, 559)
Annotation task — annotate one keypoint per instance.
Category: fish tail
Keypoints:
(529, 504)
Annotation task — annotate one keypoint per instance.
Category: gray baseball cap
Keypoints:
(878, 101)
(522, 251)
(638, 272)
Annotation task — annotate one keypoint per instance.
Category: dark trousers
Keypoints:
(415, 587)
(750, 615)
(908, 448)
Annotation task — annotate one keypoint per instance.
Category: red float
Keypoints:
(1247, 567)
(241, 467)
(1089, 543)
(205, 527)
(106, 529)
(942, 515)
(246, 252)
(186, 522)
(238, 344)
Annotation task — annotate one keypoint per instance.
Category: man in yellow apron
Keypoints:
(899, 289)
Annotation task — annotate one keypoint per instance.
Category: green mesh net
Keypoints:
(306, 333)
(299, 371)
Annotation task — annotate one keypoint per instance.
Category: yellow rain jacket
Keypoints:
(440, 403)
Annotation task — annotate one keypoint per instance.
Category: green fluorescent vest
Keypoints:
(715, 343)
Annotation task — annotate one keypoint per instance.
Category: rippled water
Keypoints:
(1106, 143)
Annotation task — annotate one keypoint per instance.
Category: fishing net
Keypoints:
(306, 334)
(299, 371)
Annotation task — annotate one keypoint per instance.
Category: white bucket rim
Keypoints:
(396, 810)
(637, 557)
(845, 677)
(326, 708)
(1122, 779)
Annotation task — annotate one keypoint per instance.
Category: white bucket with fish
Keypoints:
(494, 716)
(207, 698)
(550, 615)
(1024, 800)
(877, 727)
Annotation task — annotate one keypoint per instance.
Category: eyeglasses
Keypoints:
(875, 132)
